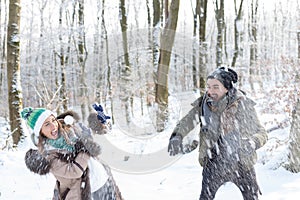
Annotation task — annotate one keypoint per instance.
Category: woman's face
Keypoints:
(50, 128)
(215, 89)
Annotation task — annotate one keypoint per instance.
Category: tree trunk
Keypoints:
(294, 156)
(156, 31)
(82, 56)
(97, 61)
(123, 23)
(294, 149)
(194, 62)
(108, 75)
(167, 41)
(237, 33)
(298, 38)
(202, 13)
(3, 50)
(126, 70)
(13, 70)
(220, 35)
(253, 45)
(62, 81)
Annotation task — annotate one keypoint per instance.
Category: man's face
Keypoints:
(215, 89)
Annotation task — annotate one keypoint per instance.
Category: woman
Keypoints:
(68, 152)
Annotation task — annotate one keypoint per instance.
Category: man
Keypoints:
(229, 135)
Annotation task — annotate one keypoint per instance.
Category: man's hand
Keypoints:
(175, 145)
(249, 146)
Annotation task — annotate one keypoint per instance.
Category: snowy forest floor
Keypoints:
(180, 181)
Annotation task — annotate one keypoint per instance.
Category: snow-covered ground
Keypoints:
(179, 181)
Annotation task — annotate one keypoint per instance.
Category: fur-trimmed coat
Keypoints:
(70, 170)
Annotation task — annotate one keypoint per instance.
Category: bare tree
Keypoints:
(13, 70)
(237, 20)
(298, 39)
(156, 30)
(126, 70)
(98, 50)
(298, 31)
(123, 23)
(3, 53)
(167, 41)
(82, 56)
(294, 149)
(219, 13)
(106, 49)
(61, 55)
(202, 14)
(253, 38)
(194, 62)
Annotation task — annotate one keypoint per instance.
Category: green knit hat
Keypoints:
(35, 118)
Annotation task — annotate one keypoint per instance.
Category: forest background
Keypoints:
(137, 54)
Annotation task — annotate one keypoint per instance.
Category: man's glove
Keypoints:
(175, 145)
(100, 114)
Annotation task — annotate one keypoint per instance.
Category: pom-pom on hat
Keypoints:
(35, 118)
(226, 76)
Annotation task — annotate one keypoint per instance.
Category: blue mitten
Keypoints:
(100, 114)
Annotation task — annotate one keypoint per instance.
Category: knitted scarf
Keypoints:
(60, 143)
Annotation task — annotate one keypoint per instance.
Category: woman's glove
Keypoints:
(100, 114)
(175, 145)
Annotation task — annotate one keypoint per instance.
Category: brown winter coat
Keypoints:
(70, 176)
(70, 172)
(239, 116)
(71, 169)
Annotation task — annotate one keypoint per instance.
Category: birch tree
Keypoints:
(13, 70)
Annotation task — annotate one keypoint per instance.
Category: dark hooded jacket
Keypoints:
(225, 132)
